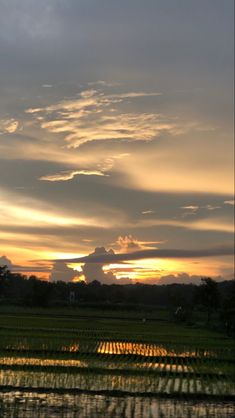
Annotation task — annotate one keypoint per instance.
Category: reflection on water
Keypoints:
(134, 365)
(128, 367)
(141, 349)
(72, 347)
(32, 361)
(115, 382)
(147, 350)
(92, 345)
(28, 405)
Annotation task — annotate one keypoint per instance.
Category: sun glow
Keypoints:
(151, 270)
(143, 269)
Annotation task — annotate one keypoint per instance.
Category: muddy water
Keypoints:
(41, 405)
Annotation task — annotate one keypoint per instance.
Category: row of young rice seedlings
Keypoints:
(113, 347)
(53, 342)
(89, 381)
(100, 333)
(210, 379)
(219, 376)
(147, 349)
(181, 379)
(199, 367)
(190, 376)
(127, 347)
(103, 333)
(157, 384)
(126, 365)
(34, 342)
(86, 348)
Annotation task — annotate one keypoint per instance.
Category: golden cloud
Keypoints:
(8, 126)
(95, 116)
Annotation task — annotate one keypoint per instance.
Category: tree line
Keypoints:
(180, 299)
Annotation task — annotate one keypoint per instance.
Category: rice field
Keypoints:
(154, 363)
(53, 405)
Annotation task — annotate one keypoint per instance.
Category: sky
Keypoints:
(116, 139)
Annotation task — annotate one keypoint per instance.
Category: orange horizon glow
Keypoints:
(145, 270)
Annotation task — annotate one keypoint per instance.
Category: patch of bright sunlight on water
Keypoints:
(148, 350)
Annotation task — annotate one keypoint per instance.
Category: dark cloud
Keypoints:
(5, 261)
(111, 257)
(61, 272)
(183, 278)
(21, 177)
(95, 271)
(51, 38)
(90, 272)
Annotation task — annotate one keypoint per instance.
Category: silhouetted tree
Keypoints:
(227, 313)
(5, 280)
(207, 294)
(40, 292)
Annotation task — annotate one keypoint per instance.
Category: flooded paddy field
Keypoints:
(43, 405)
(75, 367)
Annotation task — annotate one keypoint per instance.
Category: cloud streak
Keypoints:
(14, 268)
(229, 202)
(154, 253)
(70, 174)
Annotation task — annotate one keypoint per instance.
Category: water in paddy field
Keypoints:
(39, 405)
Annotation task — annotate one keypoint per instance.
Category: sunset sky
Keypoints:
(116, 136)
